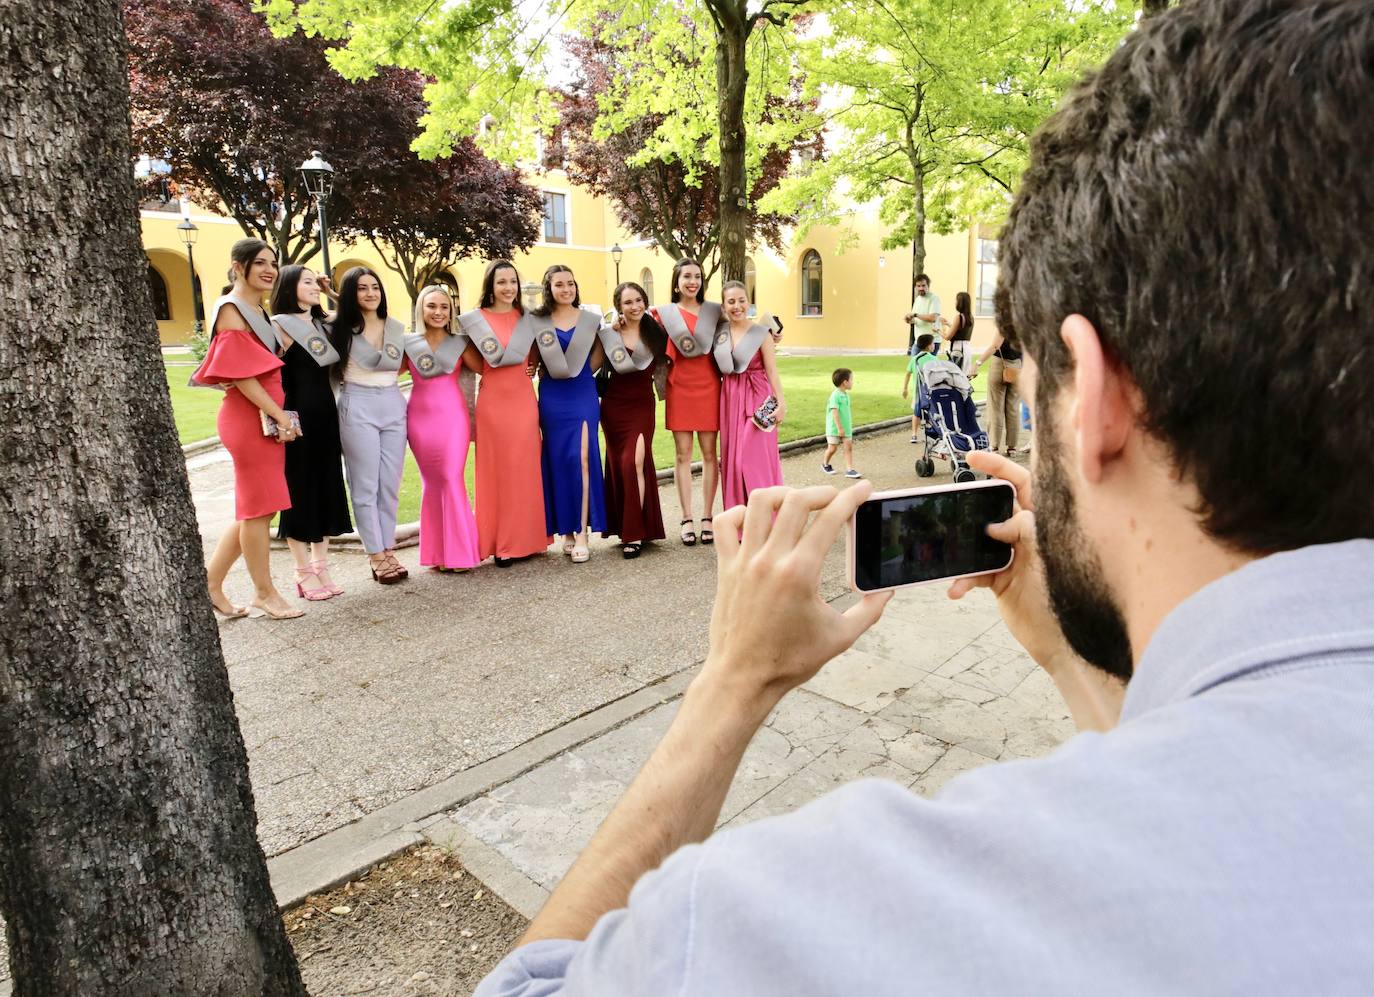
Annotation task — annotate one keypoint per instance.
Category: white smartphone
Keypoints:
(920, 535)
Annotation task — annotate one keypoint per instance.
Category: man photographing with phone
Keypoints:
(1205, 538)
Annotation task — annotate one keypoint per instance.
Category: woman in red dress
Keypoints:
(628, 412)
(243, 358)
(693, 393)
(510, 484)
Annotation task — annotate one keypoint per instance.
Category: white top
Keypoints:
(357, 374)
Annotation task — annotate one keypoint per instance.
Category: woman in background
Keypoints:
(372, 415)
(252, 423)
(314, 462)
(439, 432)
(959, 332)
(633, 351)
(566, 336)
(510, 488)
(1004, 424)
(744, 353)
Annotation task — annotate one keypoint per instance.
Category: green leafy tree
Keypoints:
(712, 69)
(931, 105)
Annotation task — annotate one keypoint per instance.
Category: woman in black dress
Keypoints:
(628, 413)
(314, 462)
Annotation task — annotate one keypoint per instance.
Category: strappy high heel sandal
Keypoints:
(396, 566)
(708, 535)
(322, 573)
(689, 537)
(631, 550)
(311, 595)
(384, 571)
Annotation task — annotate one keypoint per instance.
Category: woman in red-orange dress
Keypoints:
(243, 358)
(510, 483)
(693, 393)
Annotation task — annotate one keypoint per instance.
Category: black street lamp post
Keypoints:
(616, 254)
(188, 232)
(318, 177)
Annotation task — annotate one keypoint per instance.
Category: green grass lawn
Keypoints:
(877, 396)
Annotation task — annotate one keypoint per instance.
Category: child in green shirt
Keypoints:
(839, 423)
(919, 359)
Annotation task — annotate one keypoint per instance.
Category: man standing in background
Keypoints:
(925, 312)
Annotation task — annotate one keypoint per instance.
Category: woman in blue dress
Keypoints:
(569, 413)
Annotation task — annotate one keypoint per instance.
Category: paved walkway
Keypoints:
(517, 703)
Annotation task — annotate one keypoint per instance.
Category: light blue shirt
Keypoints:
(1220, 840)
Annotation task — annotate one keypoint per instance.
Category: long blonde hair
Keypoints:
(425, 292)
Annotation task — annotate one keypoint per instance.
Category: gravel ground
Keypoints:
(417, 924)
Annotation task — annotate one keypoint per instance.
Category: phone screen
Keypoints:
(940, 533)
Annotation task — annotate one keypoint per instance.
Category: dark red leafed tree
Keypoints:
(234, 111)
(129, 862)
(423, 216)
(659, 199)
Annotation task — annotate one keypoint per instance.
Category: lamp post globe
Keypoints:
(189, 233)
(318, 177)
(616, 254)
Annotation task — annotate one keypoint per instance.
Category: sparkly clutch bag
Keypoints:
(764, 418)
(269, 425)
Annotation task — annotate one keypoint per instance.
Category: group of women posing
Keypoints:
(308, 395)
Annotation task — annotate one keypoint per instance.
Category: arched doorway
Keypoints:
(169, 281)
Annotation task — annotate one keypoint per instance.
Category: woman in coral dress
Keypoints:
(628, 413)
(439, 433)
(566, 336)
(243, 358)
(510, 487)
(693, 393)
(743, 351)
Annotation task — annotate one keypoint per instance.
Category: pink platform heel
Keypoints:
(311, 595)
(321, 569)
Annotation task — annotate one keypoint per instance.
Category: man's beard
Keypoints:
(1082, 601)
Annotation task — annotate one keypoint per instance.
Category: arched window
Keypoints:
(811, 282)
(646, 281)
(162, 306)
(751, 280)
(449, 281)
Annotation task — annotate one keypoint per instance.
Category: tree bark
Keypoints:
(732, 77)
(918, 195)
(129, 862)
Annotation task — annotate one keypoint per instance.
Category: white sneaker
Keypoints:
(851, 473)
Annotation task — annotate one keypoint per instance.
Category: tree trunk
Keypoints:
(732, 77)
(918, 202)
(129, 862)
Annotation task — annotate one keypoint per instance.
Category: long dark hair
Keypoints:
(547, 305)
(244, 252)
(488, 297)
(284, 299)
(964, 306)
(680, 266)
(650, 332)
(347, 320)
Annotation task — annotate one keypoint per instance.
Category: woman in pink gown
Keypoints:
(439, 432)
(744, 353)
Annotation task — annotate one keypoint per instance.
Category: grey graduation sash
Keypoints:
(308, 333)
(476, 327)
(735, 360)
(388, 357)
(560, 365)
(252, 314)
(433, 362)
(622, 360)
(690, 344)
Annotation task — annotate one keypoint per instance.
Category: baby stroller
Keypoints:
(950, 421)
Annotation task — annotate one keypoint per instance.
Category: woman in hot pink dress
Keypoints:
(745, 355)
(439, 432)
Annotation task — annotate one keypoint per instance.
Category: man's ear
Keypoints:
(1101, 411)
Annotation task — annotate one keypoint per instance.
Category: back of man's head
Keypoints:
(1205, 201)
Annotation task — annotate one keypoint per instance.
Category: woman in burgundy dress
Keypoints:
(628, 410)
(243, 358)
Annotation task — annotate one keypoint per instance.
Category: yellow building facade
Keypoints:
(835, 288)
